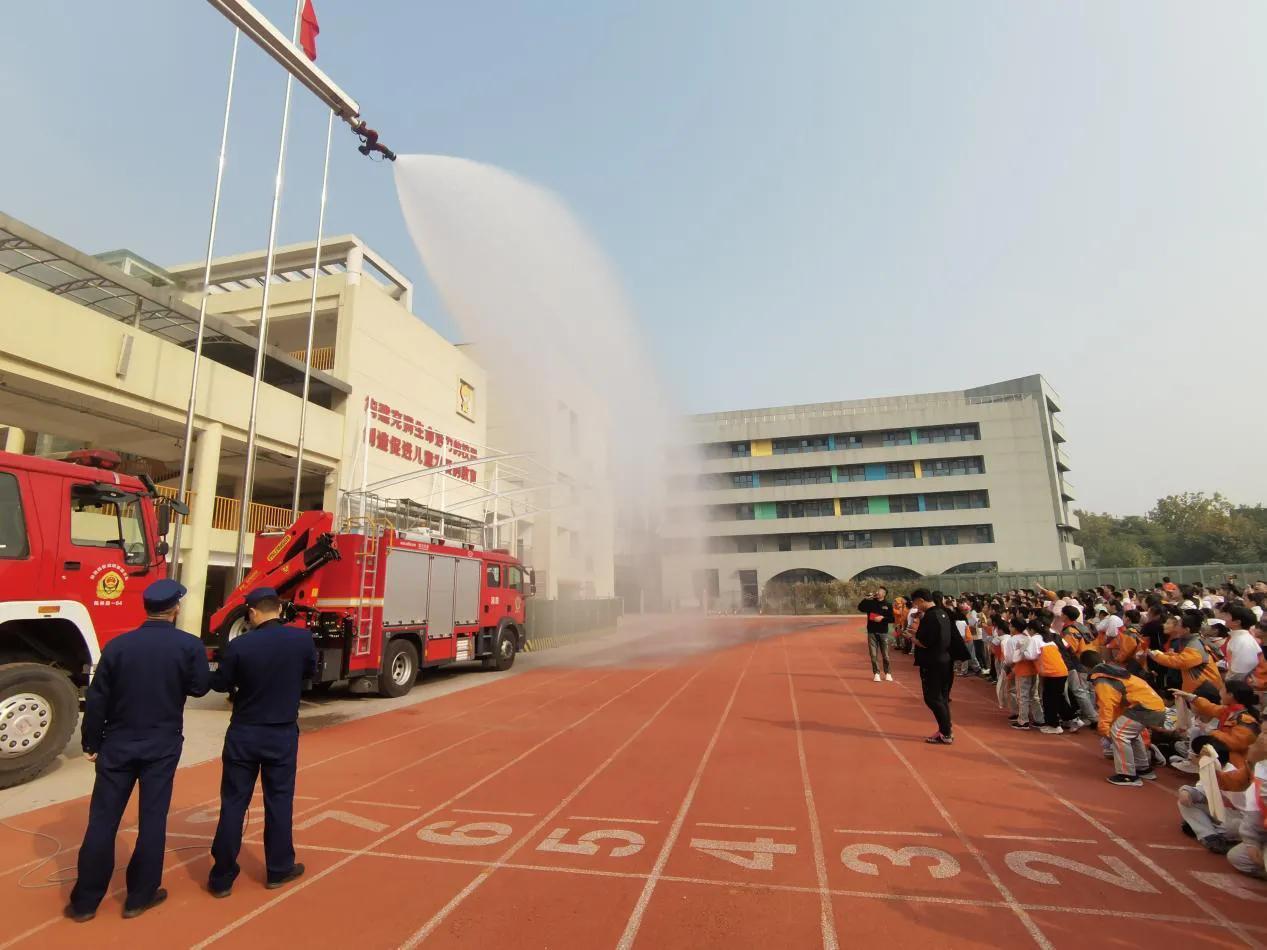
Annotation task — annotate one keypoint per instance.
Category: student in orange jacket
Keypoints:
(1053, 672)
(1185, 652)
(1127, 707)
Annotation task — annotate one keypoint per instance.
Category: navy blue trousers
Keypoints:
(118, 770)
(250, 752)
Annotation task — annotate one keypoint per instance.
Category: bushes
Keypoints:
(827, 597)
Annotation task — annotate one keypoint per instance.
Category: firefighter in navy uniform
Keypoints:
(264, 672)
(132, 729)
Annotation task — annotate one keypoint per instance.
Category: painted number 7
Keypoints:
(762, 851)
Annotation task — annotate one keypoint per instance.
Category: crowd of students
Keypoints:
(1166, 677)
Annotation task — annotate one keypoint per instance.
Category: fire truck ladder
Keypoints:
(369, 523)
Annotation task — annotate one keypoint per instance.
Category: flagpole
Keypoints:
(202, 310)
(312, 320)
(248, 475)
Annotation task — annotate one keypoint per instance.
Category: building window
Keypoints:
(802, 476)
(744, 513)
(897, 437)
(970, 432)
(899, 469)
(824, 542)
(978, 499)
(972, 465)
(908, 538)
(743, 480)
(819, 508)
(851, 473)
(943, 535)
(785, 542)
(746, 545)
(983, 534)
(856, 539)
(854, 506)
(903, 503)
(740, 450)
(814, 443)
(846, 441)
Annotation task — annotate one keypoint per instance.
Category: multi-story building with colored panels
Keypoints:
(897, 487)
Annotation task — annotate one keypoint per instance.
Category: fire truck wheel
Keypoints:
(504, 649)
(400, 668)
(39, 708)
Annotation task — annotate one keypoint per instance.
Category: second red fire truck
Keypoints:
(387, 594)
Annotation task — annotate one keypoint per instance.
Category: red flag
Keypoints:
(308, 30)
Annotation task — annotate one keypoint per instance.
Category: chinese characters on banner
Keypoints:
(409, 440)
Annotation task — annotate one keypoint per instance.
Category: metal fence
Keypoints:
(1136, 578)
(553, 623)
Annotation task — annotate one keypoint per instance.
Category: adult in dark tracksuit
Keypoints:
(264, 672)
(879, 614)
(132, 729)
(932, 656)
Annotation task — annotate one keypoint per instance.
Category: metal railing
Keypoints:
(322, 357)
(225, 513)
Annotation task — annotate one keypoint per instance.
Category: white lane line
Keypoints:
(1173, 847)
(423, 932)
(826, 916)
(1040, 838)
(554, 696)
(900, 834)
(309, 880)
(485, 811)
(357, 801)
(795, 888)
(722, 824)
(615, 821)
(1013, 904)
(640, 907)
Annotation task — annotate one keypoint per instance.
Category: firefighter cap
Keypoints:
(163, 595)
(260, 593)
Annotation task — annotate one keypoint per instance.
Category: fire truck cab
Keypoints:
(387, 594)
(79, 542)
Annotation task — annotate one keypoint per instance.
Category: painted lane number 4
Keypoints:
(755, 855)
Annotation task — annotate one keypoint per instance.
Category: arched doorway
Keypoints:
(887, 572)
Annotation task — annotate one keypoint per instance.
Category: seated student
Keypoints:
(1127, 707)
(1238, 729)
(1123, 649)
(1182, 758)
(1186, 653)
(1247, 857)
(1058, 715)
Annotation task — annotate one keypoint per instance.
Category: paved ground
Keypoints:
(750, 786)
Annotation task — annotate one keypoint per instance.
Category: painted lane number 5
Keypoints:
(588, 842)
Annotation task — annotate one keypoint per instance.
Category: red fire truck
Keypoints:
(388, 593)
(79, 542)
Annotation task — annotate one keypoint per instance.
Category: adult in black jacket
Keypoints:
(933, 642)
(879, 614)
(264, 672)
(134, 713)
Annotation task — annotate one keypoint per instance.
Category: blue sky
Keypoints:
(806, 200)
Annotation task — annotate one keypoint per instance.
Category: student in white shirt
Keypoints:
(1242, 650)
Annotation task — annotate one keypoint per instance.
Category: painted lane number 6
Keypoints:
(474, 834)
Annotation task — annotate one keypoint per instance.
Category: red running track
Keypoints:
(764, 794)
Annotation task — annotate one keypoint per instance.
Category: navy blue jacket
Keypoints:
(137, 695)
(265, 670)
